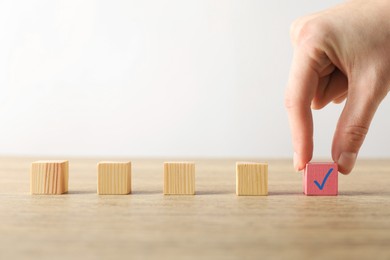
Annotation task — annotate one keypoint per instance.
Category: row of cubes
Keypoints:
(51, 177)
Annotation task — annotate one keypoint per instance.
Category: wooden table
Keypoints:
(214, 224)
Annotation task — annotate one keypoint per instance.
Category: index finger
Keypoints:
(301, 89)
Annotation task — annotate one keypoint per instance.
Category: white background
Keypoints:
(155, 78)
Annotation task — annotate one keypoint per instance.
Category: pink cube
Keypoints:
(320, 179)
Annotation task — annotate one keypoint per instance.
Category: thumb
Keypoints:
(353, 126)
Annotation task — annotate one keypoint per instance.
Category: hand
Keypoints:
(341, 53)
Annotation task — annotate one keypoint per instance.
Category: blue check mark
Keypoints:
(321, 186)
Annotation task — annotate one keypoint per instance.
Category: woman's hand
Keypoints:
(341, 53)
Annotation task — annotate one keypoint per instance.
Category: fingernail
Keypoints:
(347, 161)
(296, 161)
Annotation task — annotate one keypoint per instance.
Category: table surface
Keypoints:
(214, 224)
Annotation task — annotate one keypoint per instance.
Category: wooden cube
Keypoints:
(251, 179)
(179, 178)
(114, 178)
(49, 177)
(320, 179)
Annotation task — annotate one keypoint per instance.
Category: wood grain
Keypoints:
(251, 179)
(114, 178)
(214, 224)
(179, 178)
(49, 177)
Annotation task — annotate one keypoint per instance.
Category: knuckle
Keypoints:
(294, 28)
(310, 32)
(355, 135)
(293, 101)
(290, 102)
